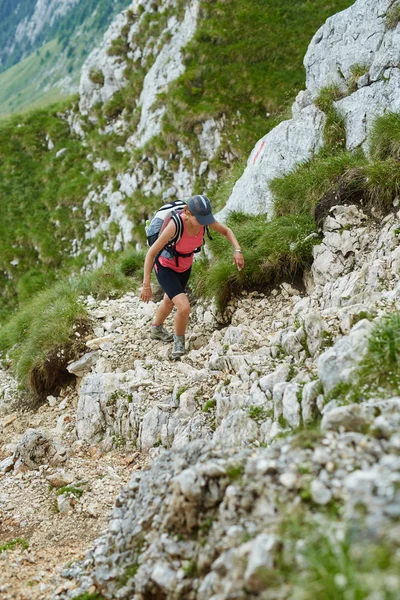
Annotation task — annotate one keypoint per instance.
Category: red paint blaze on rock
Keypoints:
(258, 152)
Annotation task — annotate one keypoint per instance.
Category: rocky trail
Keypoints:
(58, 528)
(184, 467)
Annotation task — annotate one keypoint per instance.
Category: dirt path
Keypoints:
(36, 540)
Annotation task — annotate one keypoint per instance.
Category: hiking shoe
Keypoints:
(158, 332)
(178, 349)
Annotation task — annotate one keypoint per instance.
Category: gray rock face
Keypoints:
(84, 364)
(275, 154)
(338, 364)
(167, 67)
(357, 36)
(107, 407)
(42, 14)
(36, 448)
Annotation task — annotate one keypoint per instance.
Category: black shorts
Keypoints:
(172, 283)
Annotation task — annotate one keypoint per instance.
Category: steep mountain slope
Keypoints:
(84, 174)
(46, 42)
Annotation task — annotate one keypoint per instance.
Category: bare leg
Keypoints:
(182, 313)
(163, 311)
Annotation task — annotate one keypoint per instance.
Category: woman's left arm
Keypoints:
(238, 259)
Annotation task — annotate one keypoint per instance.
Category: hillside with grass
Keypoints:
(43, 46)
(63, 209)
(265, 463)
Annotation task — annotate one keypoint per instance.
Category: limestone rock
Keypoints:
(353, 417)
(84, 364)
(337, 364)
(37, 447)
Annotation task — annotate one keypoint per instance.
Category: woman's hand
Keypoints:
(238, 260)
(146, 293)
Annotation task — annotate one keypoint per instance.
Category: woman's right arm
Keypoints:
(152, 252)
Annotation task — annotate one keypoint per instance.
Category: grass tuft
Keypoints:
(12, 543)
(48, 331)
(380, 367)
(393, 16)
(384, 139)
(273, 251)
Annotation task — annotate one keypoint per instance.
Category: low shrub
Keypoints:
(322, 558)
(345, 177)
(299, 191)
(13, 543)
(96, 76)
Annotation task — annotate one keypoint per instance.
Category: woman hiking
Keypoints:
(173, 269)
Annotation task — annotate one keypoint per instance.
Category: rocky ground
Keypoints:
(245, 432)
(56, 529)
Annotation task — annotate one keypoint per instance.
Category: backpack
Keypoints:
(159, 222)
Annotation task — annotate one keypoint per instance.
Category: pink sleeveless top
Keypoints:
(186, 244)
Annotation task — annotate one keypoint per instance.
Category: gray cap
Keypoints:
(200, 207)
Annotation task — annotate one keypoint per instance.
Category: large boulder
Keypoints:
(356, 37)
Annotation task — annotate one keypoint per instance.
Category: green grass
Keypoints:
(87, 596)
(273, 251)
(380, 367)
(23, 86)
(41, 338)
(59, 50)
(340, 569)
(239, 67)
(378, 373)
(299, 191)
(384, 139)
(12, 543)
(334, 561)
(237, 59)
(393, 16)
(70, 489)
(350, 174)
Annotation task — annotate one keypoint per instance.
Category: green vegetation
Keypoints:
(384, 139)
(393, 16)
(189, 567)
(12, 543)
(259, 413)
(333, 562)
(335, 130)
(70, 489)
(180, 391)
(273, 251)
(357, 71)
(380, 367)
(307, 437)
(48, 331)
(42, 206)
(87, 596)
(235, 472)
(129, 573)
(346, 177)
(24, 86)
(209, 405)
(226, 74)
(379, 370)
(337, 569)
(58, 50)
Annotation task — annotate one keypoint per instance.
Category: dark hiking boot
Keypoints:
(158, 332)
(178, 349)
